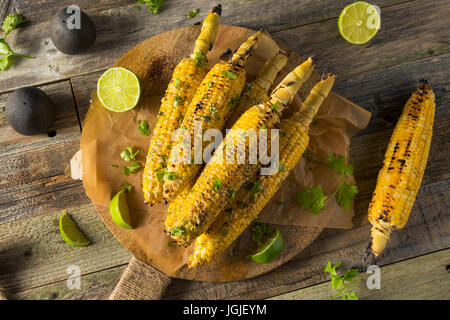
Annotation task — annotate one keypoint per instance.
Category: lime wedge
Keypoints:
(70, 232)
(270, 249)
(359, 22)
(118, 89)
(118, 209)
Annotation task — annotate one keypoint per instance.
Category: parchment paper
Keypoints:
(106, 134)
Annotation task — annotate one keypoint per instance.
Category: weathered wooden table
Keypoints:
(412, 44)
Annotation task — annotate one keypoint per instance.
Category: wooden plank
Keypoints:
(428, 230)
(384, 91)
(409, 31)
(120, 28)
(32, 179)
(402, 280)
(422, 278)
(65, 122)
(32, 252)
(94, 286)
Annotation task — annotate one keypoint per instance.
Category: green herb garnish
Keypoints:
(177, 82)
(177, 100)
(314, 199)
(154, 5)
(178, 231)
(192, 13)
(230, 74)
(127, 170)
(128, 154)
(260, 231)
(199, 59)
(217, 184)
(127, 186)
(6, 53)
(143, 127)
(343, 283)
(206, 118)
(232, 193)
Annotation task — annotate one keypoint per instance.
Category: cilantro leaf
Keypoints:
(127, 186)
(346, 194)
(350, 296)
(350, 274)
(312, 198)
(154, 5)
(127, 170)
(342, 283)
(192, 13)
(144, 127)
(217, 184)
(164, 174)
(338, 163)
(230, 74)
(128, 154)
(11, 22)
(177, 231)
(5, 62)
(199, 59)
(259, 231)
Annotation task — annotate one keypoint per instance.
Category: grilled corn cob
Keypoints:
(185, 79)
(210, 106)
(210, 194)
(248, 204)
(255, 92)
(403, 167)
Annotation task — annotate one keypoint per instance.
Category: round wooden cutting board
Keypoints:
(106, 133)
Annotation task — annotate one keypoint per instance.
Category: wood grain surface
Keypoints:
(379, 76)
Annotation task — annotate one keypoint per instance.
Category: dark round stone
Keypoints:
(72, 40)
(29, 111)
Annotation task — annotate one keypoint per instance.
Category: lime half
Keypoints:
(118, 89)
(359, 22)
(270, 249)
(70, 232)
(118, 209)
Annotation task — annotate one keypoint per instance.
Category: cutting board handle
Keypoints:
(140, 281)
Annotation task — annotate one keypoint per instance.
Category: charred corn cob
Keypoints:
(185, 79)
(210, 194)
(403, 167)
(210, 106)
(249, 203)
(256, 92)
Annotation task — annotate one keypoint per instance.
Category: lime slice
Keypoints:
(270, 249)
(70, 232)
(359, 22)
(118, 89)
(118, 209)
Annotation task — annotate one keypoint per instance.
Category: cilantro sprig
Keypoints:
(128, 154)
(192, 13)
(260, 231)
(143, 127)
(7, 54)
(313, 198)
(154, 5)
(127, 170)
(342, 284)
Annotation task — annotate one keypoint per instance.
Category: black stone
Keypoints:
(29, 111)
(72, 41)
